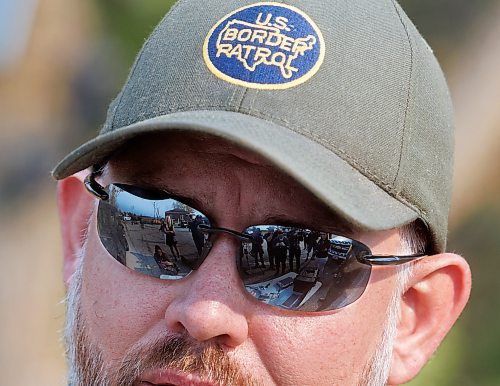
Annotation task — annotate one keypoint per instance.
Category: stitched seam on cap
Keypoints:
(240, 104)
(132, 72)
(407, 107)
(233, 95)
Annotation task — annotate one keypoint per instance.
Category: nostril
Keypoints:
(225, 341)
(175, 326)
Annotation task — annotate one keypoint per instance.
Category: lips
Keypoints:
(170, 377)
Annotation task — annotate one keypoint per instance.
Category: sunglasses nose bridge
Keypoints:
(217, 235)
(225, 245)
(216, 230)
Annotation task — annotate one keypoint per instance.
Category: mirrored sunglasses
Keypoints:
(295, 268)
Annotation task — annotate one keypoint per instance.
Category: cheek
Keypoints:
(119, 306)
(298, 351)
(325, 349)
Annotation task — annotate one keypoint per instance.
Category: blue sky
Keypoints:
(153, 208)
(16, 20)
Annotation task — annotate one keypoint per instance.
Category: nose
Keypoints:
(210, 305)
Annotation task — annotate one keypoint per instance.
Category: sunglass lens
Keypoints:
(302, 269)
(154, 235)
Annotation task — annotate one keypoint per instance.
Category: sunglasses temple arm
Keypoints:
(389, 260)
(94, 187)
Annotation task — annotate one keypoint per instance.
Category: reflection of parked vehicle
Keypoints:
(182, 224)
(339, 248)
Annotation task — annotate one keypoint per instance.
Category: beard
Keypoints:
(86, 365)
(378, 368)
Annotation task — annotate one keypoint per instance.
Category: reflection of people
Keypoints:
(294, 249)
(163, 261)
(167, 227)
(280, 247)
(355, 139)
(269, 237)
(197, 235)
(311, 242)
(257, 249)
(321, 252)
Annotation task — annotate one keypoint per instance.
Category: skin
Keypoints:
(236, 188)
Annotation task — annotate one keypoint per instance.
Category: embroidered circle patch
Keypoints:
(265, 46)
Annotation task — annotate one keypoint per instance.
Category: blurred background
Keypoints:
(61, 63)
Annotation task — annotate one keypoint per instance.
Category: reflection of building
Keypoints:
(179, 215)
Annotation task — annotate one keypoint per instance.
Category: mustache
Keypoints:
(180, 354)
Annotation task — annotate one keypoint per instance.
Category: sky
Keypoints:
(16, 21)
(152, 208)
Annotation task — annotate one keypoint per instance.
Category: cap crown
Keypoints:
(378, 100)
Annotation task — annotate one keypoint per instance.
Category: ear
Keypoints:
(75, 206)
(435, 296)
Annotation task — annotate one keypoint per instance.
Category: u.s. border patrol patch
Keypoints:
(265, 46)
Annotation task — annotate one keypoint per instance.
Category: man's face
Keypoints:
(124, 315)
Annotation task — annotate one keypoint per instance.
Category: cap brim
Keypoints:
(340, 186)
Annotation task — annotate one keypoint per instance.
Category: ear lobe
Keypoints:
(75, 206)
(433, 300)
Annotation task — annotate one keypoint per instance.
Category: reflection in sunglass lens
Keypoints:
(157, 236)
(302, 269)
(288, 267)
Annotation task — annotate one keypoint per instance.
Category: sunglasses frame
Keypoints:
(99, 191)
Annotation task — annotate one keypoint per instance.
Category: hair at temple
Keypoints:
(415, 236)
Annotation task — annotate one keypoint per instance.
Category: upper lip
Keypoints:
(172, 377)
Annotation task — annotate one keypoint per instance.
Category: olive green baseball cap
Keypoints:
(344, 96)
